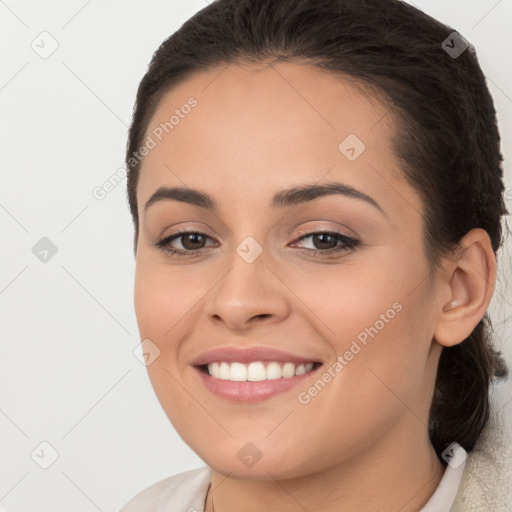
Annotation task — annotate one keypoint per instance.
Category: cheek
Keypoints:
(163, 299)
(375, 317)
(158, 310)
(373, 381)
(350, 297)
(164, 306)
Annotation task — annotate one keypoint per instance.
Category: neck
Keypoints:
(394, 476)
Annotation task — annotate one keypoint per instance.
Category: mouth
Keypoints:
(252, 374)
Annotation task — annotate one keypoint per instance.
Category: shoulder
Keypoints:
(186, 490)
(487, 479)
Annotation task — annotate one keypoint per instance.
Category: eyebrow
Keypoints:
(284, 198)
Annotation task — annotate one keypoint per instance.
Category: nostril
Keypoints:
(263, 315)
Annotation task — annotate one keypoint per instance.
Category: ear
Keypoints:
(470, 279)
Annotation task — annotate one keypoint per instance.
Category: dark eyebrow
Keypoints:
(183, 194)
(304, 193)
(282, 199)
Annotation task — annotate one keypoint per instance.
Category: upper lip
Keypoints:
(249, 355)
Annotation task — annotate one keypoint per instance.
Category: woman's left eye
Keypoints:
(193, 243)
(329, 241)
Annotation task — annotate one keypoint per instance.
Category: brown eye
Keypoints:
(327, 242)
(185, 243)
(191, 241)
(324, 241)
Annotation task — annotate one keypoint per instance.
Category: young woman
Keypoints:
(316, 189)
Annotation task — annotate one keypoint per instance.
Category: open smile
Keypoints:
(252, 374)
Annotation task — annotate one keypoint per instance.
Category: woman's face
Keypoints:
(335, 279)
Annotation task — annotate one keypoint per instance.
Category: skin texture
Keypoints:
(362, 442)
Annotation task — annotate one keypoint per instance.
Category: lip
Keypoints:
(250, 391)
(247, 355)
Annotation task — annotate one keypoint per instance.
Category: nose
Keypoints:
(249, 294)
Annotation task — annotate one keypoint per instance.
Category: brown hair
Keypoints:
(447, 136)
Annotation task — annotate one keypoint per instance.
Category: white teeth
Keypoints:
(238, 372)
(223, 371)
(256, 371)
(273, 371)
(300, 369)
(214, 369)
(288, 370)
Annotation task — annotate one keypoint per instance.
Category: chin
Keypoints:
(247, 462)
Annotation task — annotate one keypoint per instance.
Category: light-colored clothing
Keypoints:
(481, 483)
(486, 484)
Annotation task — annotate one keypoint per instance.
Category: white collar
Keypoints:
(444, 496)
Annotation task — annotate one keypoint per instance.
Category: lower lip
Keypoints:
(248, 391)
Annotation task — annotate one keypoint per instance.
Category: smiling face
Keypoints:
(334, 277)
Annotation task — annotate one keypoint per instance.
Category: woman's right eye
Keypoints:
(191, 242)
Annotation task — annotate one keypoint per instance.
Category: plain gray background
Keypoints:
(68, 376)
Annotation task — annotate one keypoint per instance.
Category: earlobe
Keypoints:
(471, 283)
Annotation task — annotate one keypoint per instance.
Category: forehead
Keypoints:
(268, 124)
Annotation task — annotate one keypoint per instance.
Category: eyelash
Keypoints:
(348, 243)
